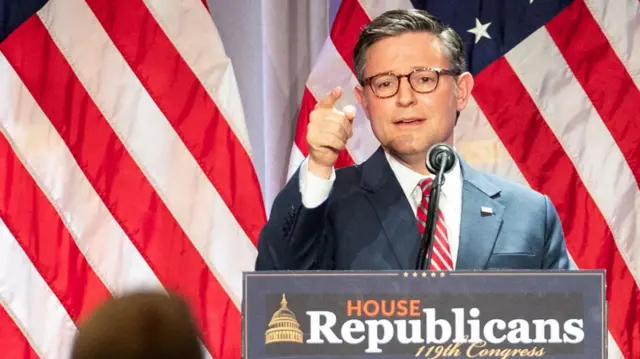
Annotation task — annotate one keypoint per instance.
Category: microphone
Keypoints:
(440, 156)
(440, 160)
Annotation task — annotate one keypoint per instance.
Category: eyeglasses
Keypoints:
(422, 80)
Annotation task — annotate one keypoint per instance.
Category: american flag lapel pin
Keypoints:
(486, 210)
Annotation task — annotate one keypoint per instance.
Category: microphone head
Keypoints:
(439, 155)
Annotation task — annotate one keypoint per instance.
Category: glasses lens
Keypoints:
(424, 80)
(384, 85)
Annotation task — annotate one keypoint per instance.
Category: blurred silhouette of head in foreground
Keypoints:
(137, 326)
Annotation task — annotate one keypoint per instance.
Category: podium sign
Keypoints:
(504, 314)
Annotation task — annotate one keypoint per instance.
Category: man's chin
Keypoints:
(409, 146)
(407, 151)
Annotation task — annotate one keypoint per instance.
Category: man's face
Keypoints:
(409, 122)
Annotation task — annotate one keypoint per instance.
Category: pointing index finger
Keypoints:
(330, 99)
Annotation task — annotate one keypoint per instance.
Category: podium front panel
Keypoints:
(399, 314)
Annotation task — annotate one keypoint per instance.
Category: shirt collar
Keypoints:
(409, 179)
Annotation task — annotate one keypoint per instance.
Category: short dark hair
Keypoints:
(397, 22)
(139, 325)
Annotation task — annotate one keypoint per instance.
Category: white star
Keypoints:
(480, 30)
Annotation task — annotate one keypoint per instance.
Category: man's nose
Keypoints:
(405, 96)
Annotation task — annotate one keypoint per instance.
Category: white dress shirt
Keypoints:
(315, 191)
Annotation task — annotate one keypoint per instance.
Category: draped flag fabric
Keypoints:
(124, 163)
(555, 107)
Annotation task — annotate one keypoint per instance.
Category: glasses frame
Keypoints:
(439, 72)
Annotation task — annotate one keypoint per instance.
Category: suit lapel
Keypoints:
(478, 229)
(392, 208)
(481, 219)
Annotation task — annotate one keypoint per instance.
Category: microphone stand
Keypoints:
(426, 244)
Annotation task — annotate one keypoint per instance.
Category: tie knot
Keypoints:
(425, 186)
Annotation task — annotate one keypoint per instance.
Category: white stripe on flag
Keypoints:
(374, 8)
(152, 142)
(578, 126)
(32, 305)
(39, 146)
(192, 31)
(613, 351)
(620, 22)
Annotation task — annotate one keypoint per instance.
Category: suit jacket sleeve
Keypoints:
(295, 237)
(556, 255)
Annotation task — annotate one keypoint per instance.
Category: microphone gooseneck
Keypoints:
(440, 160)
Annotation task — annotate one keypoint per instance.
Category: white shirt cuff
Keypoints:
(314, 190)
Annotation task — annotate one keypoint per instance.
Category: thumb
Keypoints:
(349, 112)
(330, 99)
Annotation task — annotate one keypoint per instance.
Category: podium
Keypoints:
(423, 314)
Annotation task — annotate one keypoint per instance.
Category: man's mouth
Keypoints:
(409, 121)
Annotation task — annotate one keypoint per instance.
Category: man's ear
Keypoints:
(465, 86)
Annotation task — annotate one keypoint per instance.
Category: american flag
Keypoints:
(556, 106)
(124, 163)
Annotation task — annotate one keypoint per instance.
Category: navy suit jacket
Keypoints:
(367, 223)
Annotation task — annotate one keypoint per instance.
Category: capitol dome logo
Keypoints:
(283, 326)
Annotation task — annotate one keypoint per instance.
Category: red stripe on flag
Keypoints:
(545, 165)
(13, 343)
(308, 104)
(121, 185)
(350, 19)
(42, 234)
(187, 105)
(604, 77)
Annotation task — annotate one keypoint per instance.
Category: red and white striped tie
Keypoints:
(441, 257)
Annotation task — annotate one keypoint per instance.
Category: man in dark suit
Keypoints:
(413, 84)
